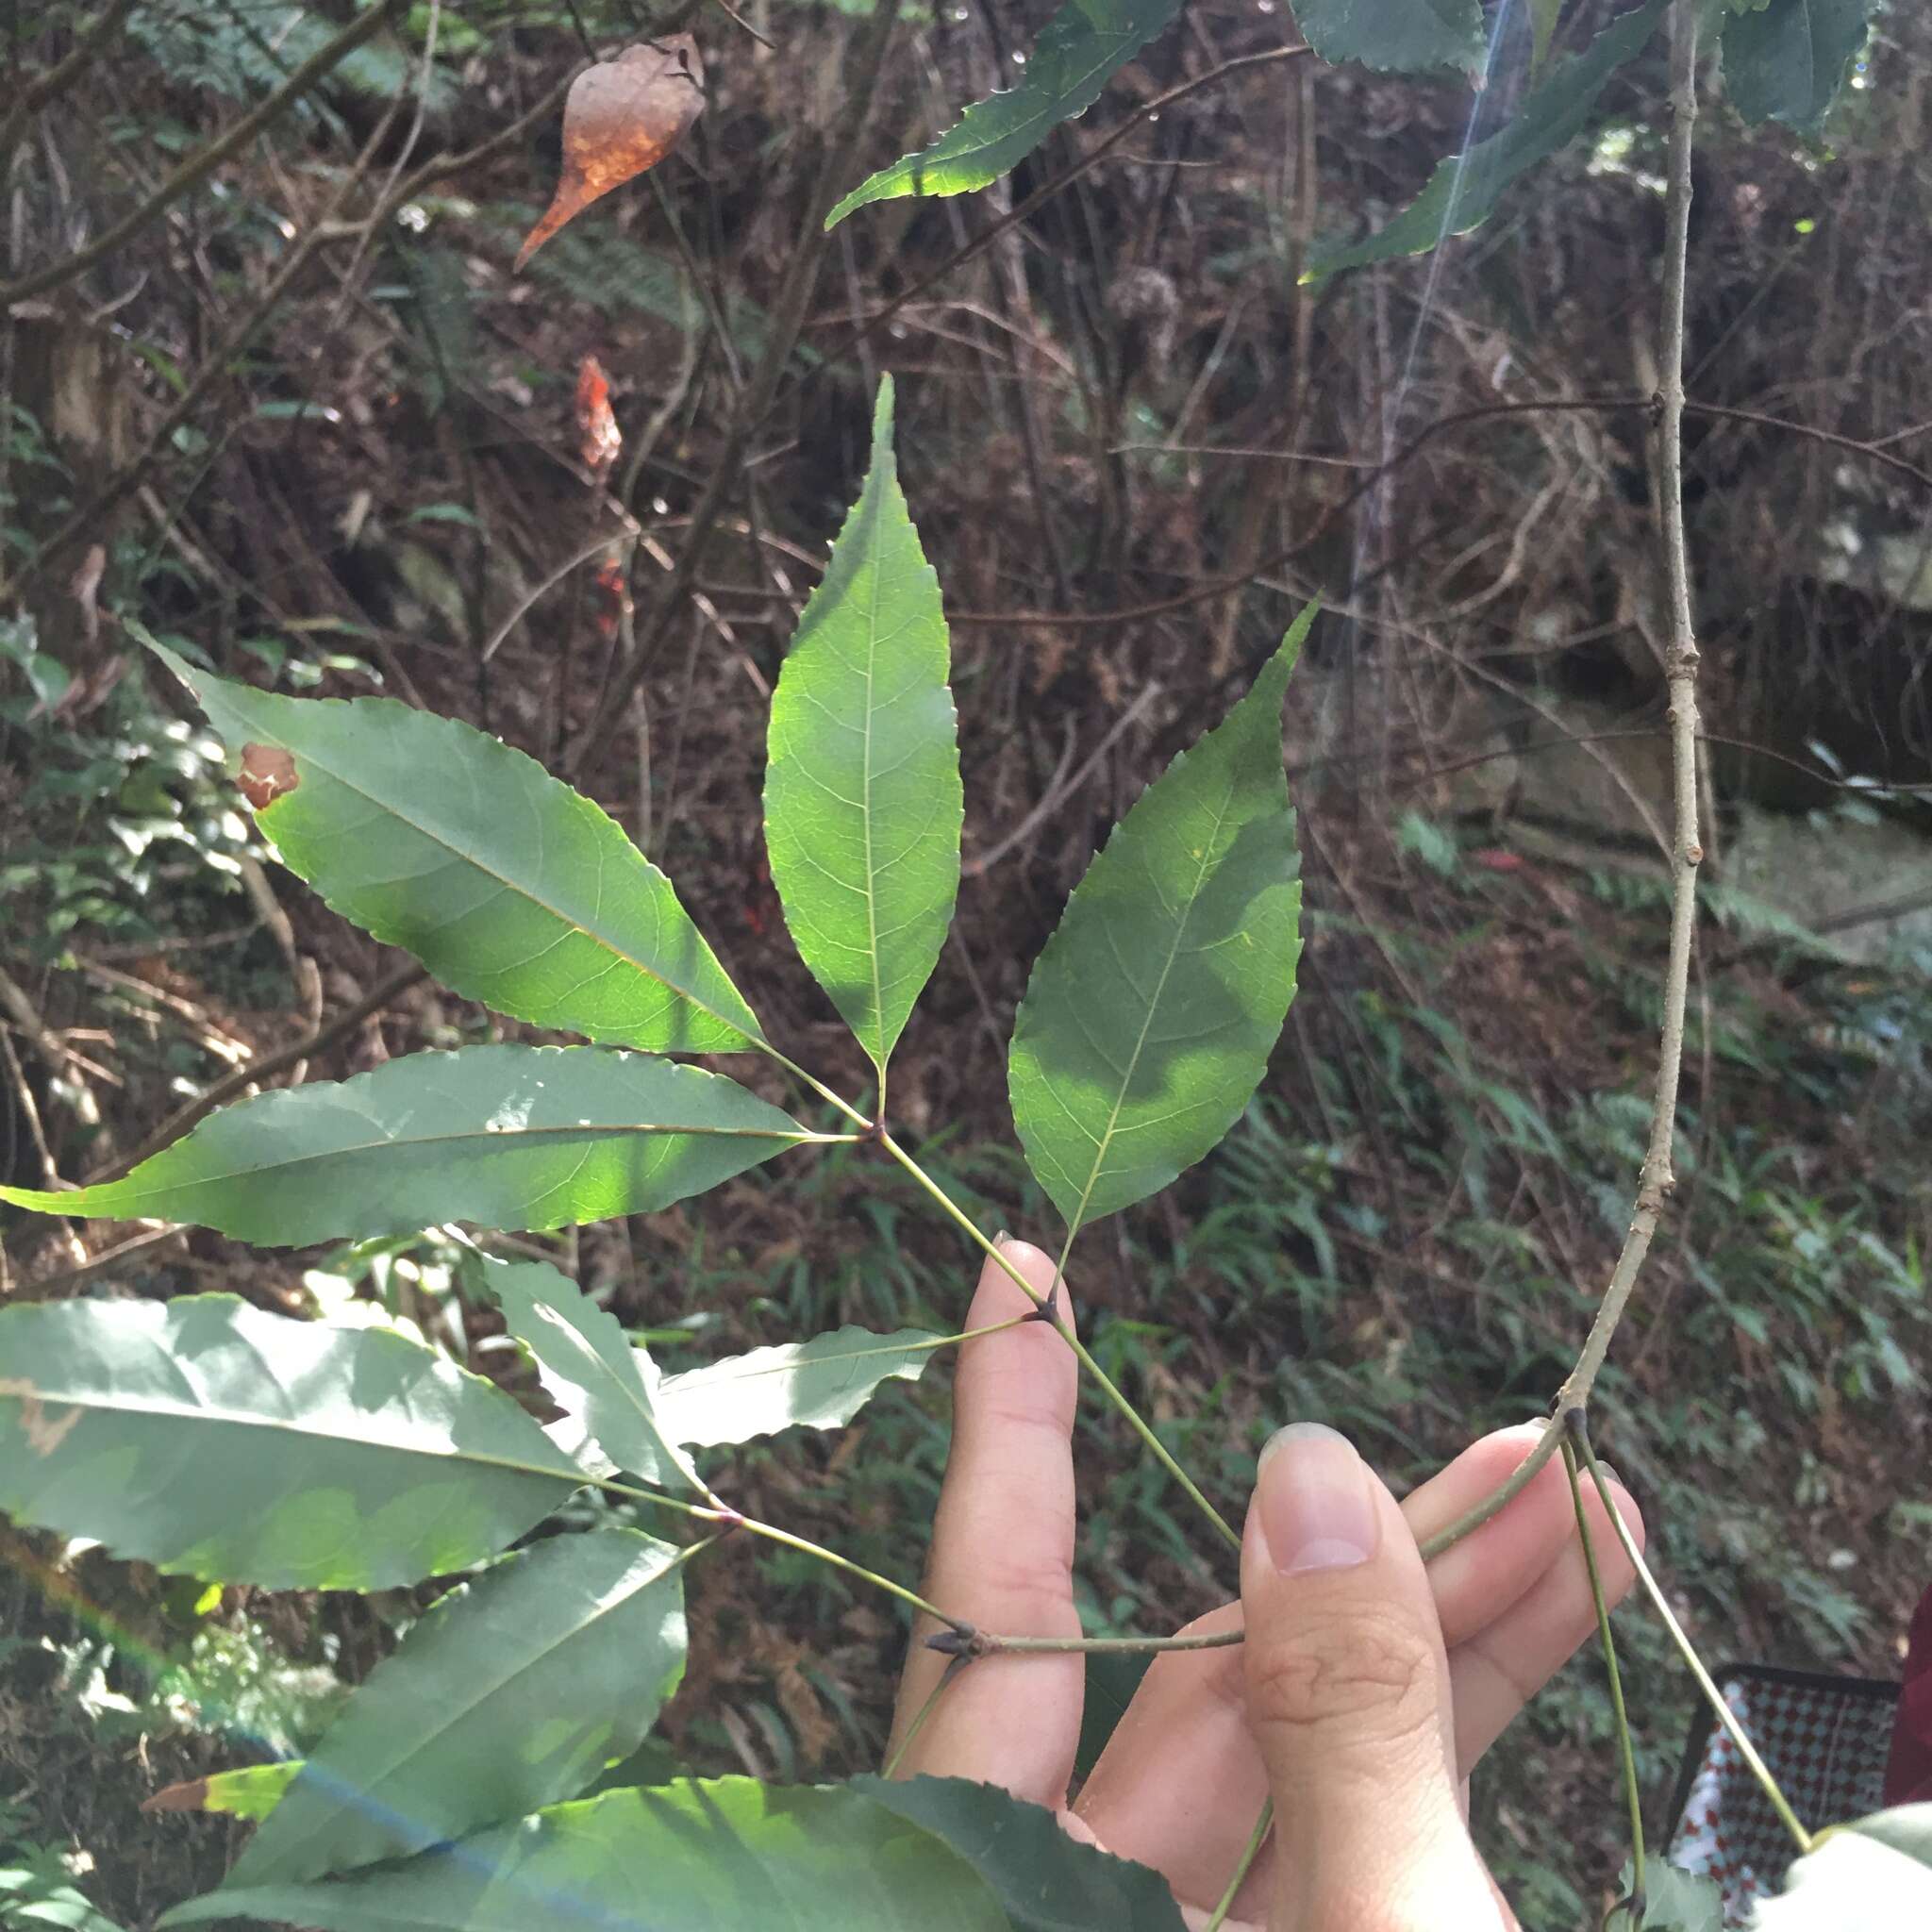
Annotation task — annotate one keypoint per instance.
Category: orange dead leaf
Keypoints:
(267, 773)
(620, 118)
(596, 424)
(190, 1795)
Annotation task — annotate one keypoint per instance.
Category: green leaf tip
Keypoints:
(1396, 36)
(1152, 1010)
(1462, 192)
(1079, 52)
(1786, 60)
(863, 798)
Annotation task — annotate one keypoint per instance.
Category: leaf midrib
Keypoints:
(124, 1405)
(502, 1137)
(756, 1037)
(470, 1698)
(1173, 951)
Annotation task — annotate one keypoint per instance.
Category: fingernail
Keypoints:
(1001, 1239)
(1610, 1475)
(1313, 1501)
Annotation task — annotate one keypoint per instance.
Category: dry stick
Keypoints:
(753, 405)
(257, 1070)
(199, 166)
(214, 364)
(60, 77)
(1048, 189)
(1655, 1179)
(1057, 793)
(48, 1286)
(1218, 587)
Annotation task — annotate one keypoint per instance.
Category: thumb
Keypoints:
(1348, 1698)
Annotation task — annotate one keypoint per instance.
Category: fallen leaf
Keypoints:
(620, 118)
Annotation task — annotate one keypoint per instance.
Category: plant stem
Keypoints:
(985, 1644)
(947, 1678)
(1242, 1865)
(818, 1087)
(772, 1533)
(1634, 1905)
(1065, 1328)
(1715, 1697)
(1655, 1179)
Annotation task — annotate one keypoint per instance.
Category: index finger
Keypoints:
(1003, 1554)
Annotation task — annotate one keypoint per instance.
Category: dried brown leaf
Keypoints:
(620, 118)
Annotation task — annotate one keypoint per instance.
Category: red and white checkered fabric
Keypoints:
(1825, 1741)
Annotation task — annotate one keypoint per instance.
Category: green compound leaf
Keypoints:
(1046, 1880)
(506, 1136)
(699, 1855)
(820, 1384)
(862, 794)
(511, 888)
(588, 1368)
(1079, 52)
(1395, 36)
(205, 1437)
(1463, 194)
(1153, 1008)
(1786, 60)
(511, 1693)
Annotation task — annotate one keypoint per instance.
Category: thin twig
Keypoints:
(1045, 193)
(1655, 1178)
(1057, 793)
(1688, 1651)
(48, 1286)
(61, 76)
(973, 1643)
(259, 1070)
(200, 165)
(1371, 477)
(1242, 1865)
(1633, 1801)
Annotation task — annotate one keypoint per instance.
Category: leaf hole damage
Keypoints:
(267, 773)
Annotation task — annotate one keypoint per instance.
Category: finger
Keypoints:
(1477, 1580)
(1348, 1698)
(1003, 1554)
(1496, 1671)
(1180, 1782)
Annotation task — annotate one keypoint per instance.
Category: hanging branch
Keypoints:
(1655, 1179)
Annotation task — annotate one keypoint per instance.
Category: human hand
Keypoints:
(1363, 1694)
